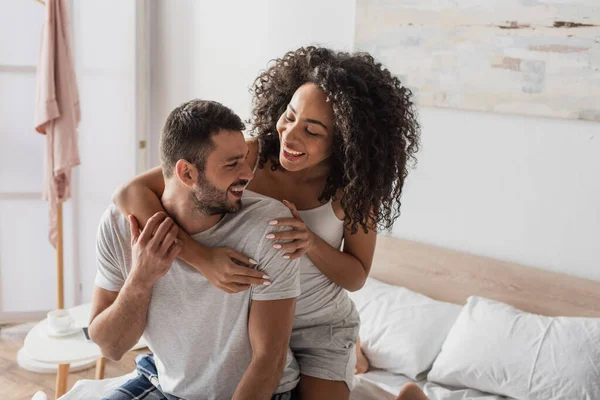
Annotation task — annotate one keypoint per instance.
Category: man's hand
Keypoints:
(230, 270)
(154, 249)
(119, 318)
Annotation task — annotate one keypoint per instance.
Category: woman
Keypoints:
(333, 136)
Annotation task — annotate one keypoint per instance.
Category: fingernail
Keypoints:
(267, 283)
(286, 257)
(274, 222)
(252, 262)
(270, 236)
(285, 201)
(277, 246)
(266, 277)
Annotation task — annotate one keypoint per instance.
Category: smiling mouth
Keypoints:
(292, 154)
(237, 191)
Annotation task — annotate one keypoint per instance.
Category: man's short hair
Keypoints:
(188, 132)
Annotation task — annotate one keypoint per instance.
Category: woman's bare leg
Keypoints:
(411, 391)
(311, 388)
(362, 364)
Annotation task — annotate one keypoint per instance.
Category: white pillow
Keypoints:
(401, 331)
(496, 348)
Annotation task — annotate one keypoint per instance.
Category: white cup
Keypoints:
(60, 321)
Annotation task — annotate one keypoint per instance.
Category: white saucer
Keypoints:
(53, 334)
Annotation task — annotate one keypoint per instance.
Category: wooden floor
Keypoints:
(19, 384)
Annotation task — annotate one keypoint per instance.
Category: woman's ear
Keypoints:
(186, 173)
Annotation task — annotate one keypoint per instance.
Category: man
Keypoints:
(207, 344)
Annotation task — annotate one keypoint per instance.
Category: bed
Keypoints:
(444, 283)
(454, 277)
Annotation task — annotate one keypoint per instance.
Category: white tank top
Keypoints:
(321, 299)
(320, 296)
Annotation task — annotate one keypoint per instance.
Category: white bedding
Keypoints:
(90, 389)
(379, 384)
(384, 385)
(374, 385)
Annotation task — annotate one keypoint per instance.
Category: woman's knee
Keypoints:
(411, 391)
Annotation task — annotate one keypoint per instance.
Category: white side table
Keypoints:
(66, 350)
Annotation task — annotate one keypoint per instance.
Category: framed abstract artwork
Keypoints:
(531, 57)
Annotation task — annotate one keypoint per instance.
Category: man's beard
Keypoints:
(210, 200)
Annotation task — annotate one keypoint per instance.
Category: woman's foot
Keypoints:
(362, 364)
(411, 391)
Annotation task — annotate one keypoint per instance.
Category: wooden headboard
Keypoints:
(453, 276)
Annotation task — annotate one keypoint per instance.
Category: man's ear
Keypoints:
(187, 173)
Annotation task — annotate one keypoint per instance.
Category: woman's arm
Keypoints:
(141, 196)
(225, 268)
(348, 268)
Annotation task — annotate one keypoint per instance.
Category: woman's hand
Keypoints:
(231, 271)
(298, 241)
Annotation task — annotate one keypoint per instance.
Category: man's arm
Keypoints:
(270, 327)
(119, 318)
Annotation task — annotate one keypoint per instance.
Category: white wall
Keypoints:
(105, 64)
(214, 50)
(521, 189)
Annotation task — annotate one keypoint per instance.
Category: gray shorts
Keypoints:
(325, 348)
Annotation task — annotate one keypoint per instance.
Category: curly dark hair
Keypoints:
(376, 132)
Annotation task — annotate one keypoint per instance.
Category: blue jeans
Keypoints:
(145, 386)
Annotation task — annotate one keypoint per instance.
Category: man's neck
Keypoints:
(186, 214)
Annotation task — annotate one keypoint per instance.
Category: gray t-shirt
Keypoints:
(198, 333)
